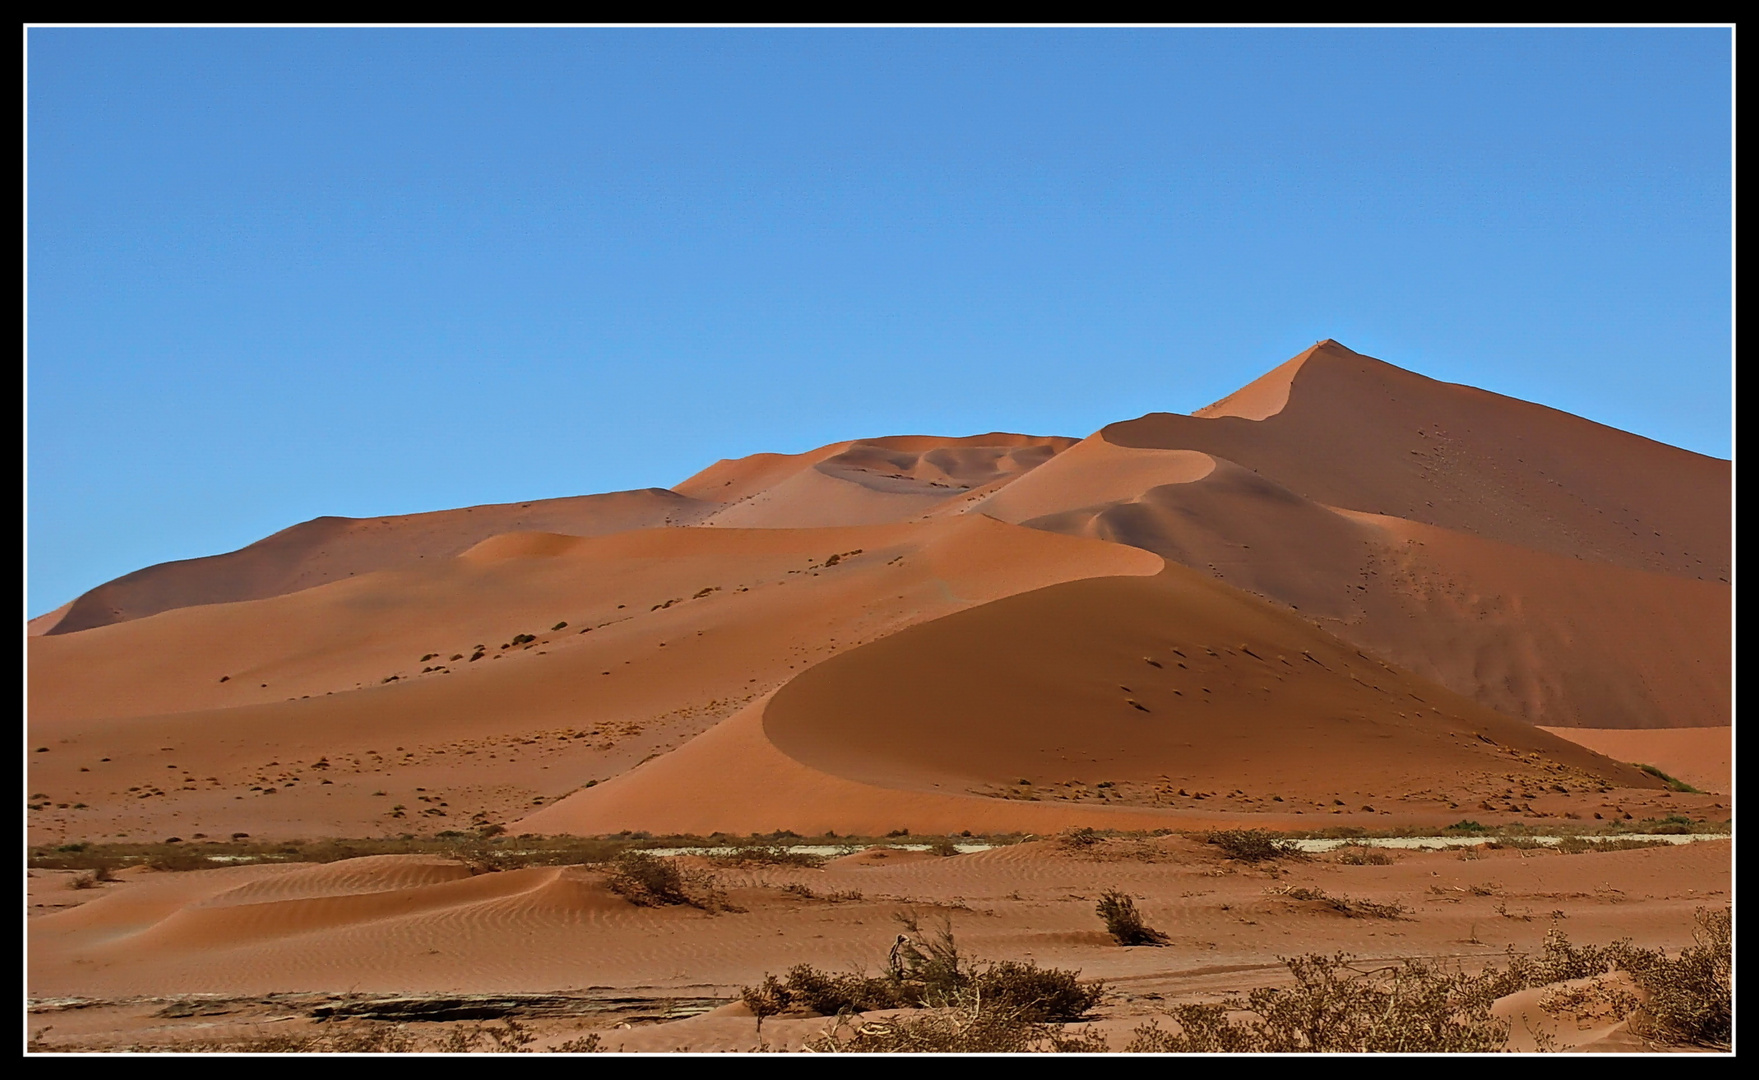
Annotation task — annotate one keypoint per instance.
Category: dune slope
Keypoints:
(1172, 681)
(362, 686)
(1360, 434)
(333, 549)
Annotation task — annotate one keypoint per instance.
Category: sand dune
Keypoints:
(333, 549)
(45, 622)
(1547, 638)
(1049, 701)
(1543, 637)
(733, 779)
(1166, 682)
(667, 632)
(1702, 757)
(874, 481)
(1360, 434)
(1550, 638)
(1092, 474)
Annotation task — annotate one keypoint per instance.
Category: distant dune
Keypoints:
(332, 548)
(1344, 593)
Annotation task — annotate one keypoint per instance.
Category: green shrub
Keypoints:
(1676, 785)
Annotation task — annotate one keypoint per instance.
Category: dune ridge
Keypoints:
(333, 548)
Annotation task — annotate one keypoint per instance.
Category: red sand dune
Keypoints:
(1563, 631)
(872, 482)
(938, 619)
(332, 549)
(1148, 686)
(709, 619)
(1361, 434)
(1702, 757)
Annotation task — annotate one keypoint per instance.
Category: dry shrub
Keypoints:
(977, 1008)
(1123, 921)
(1346, 906)
(1252, 845)
(1594, 1002)
(511, 1038)
(943, 847)
(1690, 997)
(1038, 995)
(824, 993)
(970, 1025)
(1363, 855)
(1411, 1007)
(650, 881)
(769, 855)
(102, 875)
(1577, 845)
(1418, 1007)
(1077, 839)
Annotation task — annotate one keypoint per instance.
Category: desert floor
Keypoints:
(231, 955)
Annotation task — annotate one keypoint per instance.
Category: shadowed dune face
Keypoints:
(1544, 637)
(1170, 678)
(1569, 630)
(1547, 638)
(1364, 435)
(333, 549)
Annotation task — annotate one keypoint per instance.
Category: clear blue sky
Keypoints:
(282, 273)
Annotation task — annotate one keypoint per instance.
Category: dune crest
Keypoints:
(520, 545)
(1265, 396)
(1361, 434)
(331, 549)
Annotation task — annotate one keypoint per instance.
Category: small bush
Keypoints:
(647, 880)
(1252, 845)
(1078, 839)
(1344, 905)
(1411, 1007)
(1124, 923)
(971, 1025)
(943, 847)
(1362, 855)
(930, 972)
(771, 855)
(1691, 996)
(1038, 995)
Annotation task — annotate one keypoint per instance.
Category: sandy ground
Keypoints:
(398, 925)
